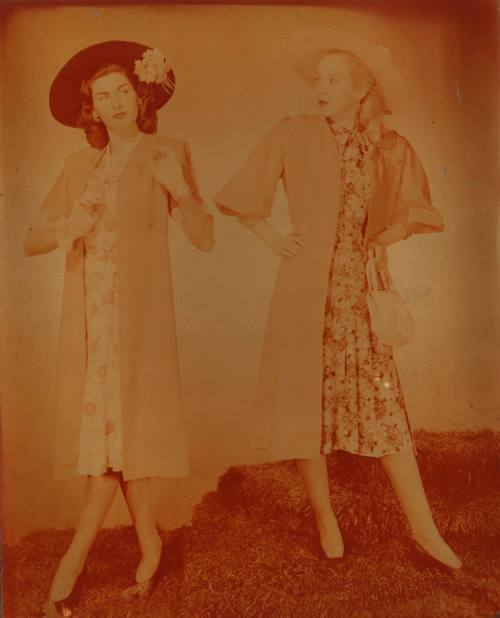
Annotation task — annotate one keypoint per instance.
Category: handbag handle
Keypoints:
(374, 278)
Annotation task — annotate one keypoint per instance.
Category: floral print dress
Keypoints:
(363, 407)
(101, 444)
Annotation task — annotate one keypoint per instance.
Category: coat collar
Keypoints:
(86, 160)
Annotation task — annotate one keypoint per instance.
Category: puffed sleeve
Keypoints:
(413, 207)
(249, 195)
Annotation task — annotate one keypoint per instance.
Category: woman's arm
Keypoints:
(58, 223)
(50, 231)
(413, 207)
(40, 239)
(196, 223)
(178, 179)
(289, 246)
(42, 232)
(390, 235)
(414, 212)
(376, 246)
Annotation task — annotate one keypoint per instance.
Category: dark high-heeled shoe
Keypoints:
(423, 559)
(141, 590)
(325, 552)
(331, 560)
(64, 607)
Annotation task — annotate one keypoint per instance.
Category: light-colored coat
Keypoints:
(153, 435)
(302, 152)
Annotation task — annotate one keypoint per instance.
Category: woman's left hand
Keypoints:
(167, 170)
(377, 251)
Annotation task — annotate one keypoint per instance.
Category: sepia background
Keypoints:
(233, 83)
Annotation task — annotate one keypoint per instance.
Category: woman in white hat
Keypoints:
(353, 188)
(118, 409)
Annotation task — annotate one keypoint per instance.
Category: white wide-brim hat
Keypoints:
(304, 46)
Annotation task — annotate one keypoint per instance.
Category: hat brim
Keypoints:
(305, 45)
(65, 98)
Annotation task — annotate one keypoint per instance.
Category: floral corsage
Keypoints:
(153, 68)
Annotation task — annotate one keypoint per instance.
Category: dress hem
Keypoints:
(373, 455)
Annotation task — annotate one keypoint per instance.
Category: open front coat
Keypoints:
(153, 435)
(302, 152)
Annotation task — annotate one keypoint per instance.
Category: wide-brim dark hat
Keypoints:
(65, 98)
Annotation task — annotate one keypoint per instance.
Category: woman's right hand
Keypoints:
(289, 246)
(82, 219)
(84, 216)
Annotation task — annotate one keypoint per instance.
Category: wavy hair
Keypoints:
(95, 131)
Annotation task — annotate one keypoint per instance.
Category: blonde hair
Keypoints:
(372, 106)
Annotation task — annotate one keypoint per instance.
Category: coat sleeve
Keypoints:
(190, 176)
(249, 195)
(53, 209)
(414, 208)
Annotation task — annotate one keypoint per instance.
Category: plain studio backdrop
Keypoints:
(233, 83)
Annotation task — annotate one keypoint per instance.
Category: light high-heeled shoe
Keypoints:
(54, 609)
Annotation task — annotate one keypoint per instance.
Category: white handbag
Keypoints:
(390, 319)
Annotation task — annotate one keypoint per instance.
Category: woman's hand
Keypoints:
(86, 209)
(196, 222)
(377, 251)
(289, 246)
(168, 171)
(84, 215)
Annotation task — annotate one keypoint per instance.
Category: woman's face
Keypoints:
(115, 101)
(337, 95)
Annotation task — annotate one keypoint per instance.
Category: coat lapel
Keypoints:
(80, 173)
(139, 153)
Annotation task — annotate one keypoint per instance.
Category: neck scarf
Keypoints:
(356, 151)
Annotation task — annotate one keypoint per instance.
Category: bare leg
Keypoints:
(98, 496)
(402, 469)
(138, 496)
(315, 475)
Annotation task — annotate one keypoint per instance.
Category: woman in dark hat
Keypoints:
(327, 382)
(118, 408)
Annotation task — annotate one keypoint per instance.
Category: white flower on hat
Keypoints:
(153, 68)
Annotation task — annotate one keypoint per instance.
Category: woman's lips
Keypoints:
(119, 115)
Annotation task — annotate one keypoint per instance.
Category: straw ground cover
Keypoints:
(251, 549)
